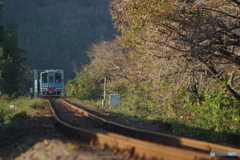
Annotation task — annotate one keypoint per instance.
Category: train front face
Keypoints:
(51, 84)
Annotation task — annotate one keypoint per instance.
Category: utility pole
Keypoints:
(104, 92)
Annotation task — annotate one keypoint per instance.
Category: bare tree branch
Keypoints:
(236, 1)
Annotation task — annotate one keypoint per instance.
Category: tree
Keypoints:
(1, 6)
(203, 32)
(1, 26)
(12, 69)
(108, 64)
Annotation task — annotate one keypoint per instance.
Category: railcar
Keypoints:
(51, 83)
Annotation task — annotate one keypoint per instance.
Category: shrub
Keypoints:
(86, 86)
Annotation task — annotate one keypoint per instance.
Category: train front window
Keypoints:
(58, 77)
(44, 78)
(50, 79)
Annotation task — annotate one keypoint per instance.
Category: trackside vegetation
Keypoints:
(210, 117)
(175, 65)
(13, 110)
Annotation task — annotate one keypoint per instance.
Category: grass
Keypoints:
(87, 103)
(213, 117)
(13, 110)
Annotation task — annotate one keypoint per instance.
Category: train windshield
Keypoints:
(44, 78)
(58, 77)
(50, 79)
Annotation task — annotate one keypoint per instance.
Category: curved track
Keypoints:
(138, 144)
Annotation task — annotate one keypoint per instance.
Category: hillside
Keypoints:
(57, 33)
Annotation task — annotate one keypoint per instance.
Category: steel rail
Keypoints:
(160, 138)
(133, 148)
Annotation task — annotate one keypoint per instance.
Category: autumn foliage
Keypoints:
(175, 62)
(202, 34)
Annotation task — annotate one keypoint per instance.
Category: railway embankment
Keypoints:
(34, 136)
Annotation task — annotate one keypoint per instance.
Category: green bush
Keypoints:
(86, 86)
(5, 111)
(218, 113)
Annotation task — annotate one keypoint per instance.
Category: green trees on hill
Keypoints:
(11, 61)
(57, 33)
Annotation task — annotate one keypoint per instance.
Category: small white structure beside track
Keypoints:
(114, 99)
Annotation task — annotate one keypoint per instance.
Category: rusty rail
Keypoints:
(143, 149)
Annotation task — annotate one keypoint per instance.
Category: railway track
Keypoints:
(130, 142)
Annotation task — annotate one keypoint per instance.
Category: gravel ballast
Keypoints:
(36, 138)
